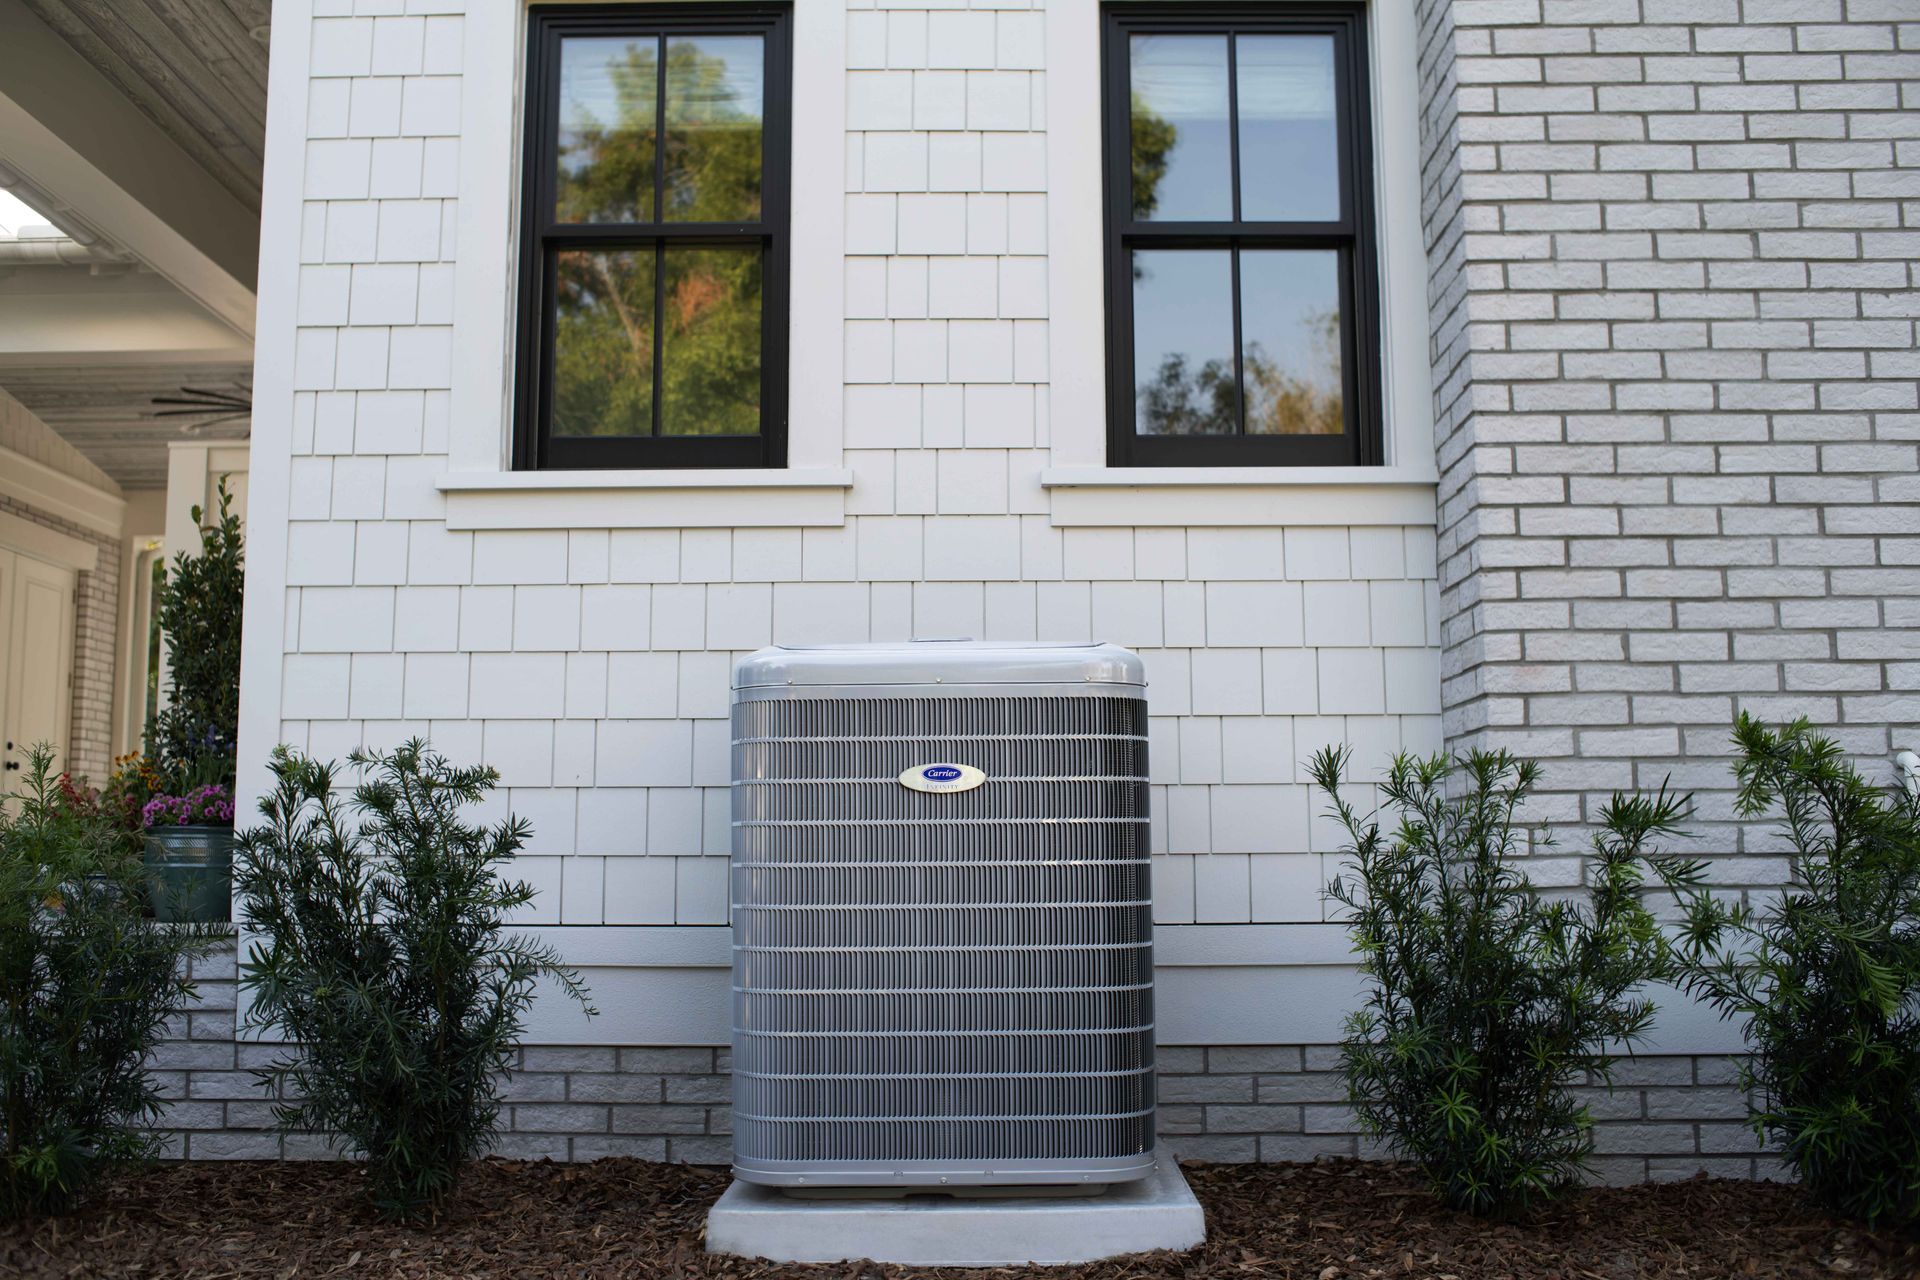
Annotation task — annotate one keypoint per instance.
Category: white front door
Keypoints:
(36, 661)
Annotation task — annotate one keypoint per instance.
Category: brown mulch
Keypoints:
(628, 1218)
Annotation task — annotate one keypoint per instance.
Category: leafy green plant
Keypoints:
(198, 609)
(1826, 974)
(87, 987)
(1487, 1000)
(385, 963)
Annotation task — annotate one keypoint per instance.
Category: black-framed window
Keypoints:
(1241, 278)
(653, 317)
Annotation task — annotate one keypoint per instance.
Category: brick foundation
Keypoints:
(1667, 1117)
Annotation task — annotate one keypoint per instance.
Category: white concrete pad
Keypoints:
(1156, 1212)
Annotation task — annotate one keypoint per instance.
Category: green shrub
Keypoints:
(87, 987)
(198, 608)
(384, 963)
(1487, 1001)
(1826, 975)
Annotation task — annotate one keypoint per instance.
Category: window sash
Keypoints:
(544, 237)
(1351, 235)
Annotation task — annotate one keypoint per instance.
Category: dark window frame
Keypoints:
(541, 238)
(1354, 236)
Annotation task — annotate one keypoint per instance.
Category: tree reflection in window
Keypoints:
(1288, 327)
(1242, 256)
(1283, 402)
(710, 344)
(695, 310)
(1201, 402)
(603, 343)
(1154, 137)
(1290, 341)
(609, 94)
(1179, 403)
(714, 125)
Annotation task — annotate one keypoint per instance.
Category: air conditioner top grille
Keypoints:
(931, 665)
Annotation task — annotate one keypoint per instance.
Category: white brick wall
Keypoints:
(1674, 302)
(591, 667)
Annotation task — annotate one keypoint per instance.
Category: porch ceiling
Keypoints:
(196, 68)
(136, 127)
(107, 413)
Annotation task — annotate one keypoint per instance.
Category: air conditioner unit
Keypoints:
(942, 923)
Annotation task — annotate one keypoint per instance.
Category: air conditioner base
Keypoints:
(1156, 1212)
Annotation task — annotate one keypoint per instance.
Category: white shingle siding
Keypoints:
(1671, 370)
(591, 668)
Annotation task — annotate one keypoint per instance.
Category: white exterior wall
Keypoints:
(50, 485)
(576, 632)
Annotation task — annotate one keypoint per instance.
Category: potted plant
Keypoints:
(187, 809)
(190, 853)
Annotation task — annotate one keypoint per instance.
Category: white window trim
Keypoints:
(140, 551)
(1084, 490)
(664, 499)
(1260, 496)
(480, 480)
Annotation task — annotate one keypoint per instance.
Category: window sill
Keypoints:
(1241, 495)
(690, 499)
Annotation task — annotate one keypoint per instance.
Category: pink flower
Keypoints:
(208, 804)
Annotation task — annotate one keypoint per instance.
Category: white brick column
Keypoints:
(1674, 304)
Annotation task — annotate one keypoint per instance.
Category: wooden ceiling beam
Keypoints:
(72, 134)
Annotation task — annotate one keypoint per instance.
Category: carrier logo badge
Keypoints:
(941, 777)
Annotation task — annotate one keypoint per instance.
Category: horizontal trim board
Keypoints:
(1175, 945)
(1216, 985)
(39, 486)
(222, 456)
(41, 543)
(1234, 477)
(1234, 1005)
(691, 478)
(662, 500)
(1264, 496)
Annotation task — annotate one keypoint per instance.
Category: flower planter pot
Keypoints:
(190, 873)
